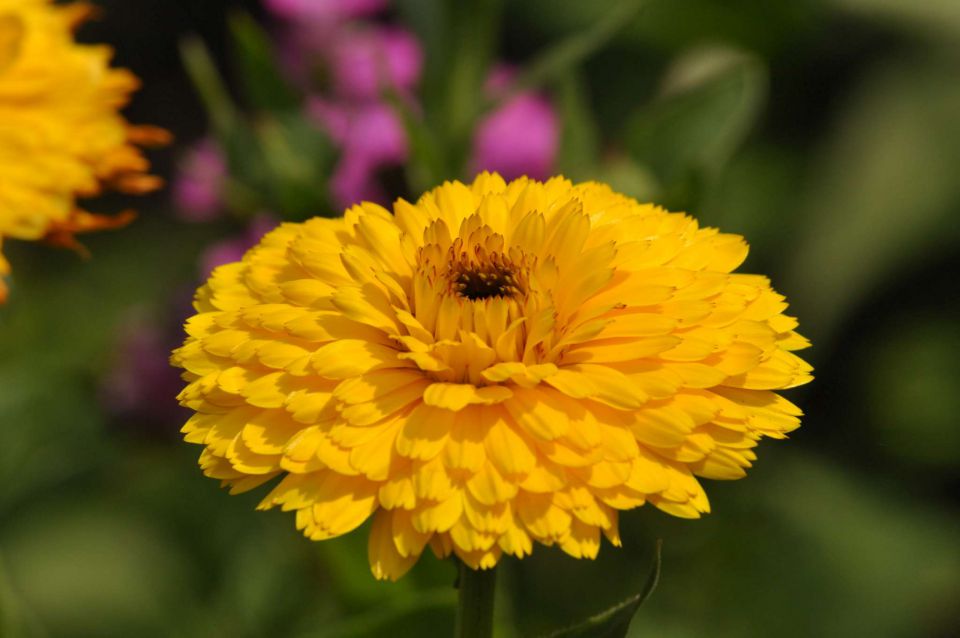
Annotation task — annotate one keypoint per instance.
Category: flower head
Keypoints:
(496, 365)
(61, 136)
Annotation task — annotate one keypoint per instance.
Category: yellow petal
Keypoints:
(372, 385)
(438, 517)
(507, 449)
(386, 562)
(408, 541)
(425, 431)
(457, 396)
(541, 518)
(602, 383)
(383, 406)
(464, 449)
(432, 482)
(541, 412)
(615, 350)
(489, 487)
(351, 357)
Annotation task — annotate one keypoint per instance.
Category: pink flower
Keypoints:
(200, 182)
(519, 138)
(233, 248)
(324, 10)
(370, 136)
(365, 61)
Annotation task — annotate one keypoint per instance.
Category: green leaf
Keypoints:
(209, 84)
(412, 614)
(425, 167)
(677, 25)
(627, 177)
(580, 142)
(298, 158)
(460, 41)
(708, 104)
(259, 73)
(615, 621)
(563, 57)
(430, 21)
(476, 28)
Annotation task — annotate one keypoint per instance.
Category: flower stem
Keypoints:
(475, 602)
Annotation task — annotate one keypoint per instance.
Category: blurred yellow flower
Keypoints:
(494, 365)
(61, 136)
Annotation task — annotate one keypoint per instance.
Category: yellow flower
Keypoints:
(495, 365)
(61, 136)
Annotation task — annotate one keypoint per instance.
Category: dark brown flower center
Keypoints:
(493, 280)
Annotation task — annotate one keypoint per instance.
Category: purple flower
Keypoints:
(200, 182)
(365, 61)
(519, 138)
(233, 248)
(370, 136)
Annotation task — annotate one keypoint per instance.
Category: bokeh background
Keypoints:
(825, 131)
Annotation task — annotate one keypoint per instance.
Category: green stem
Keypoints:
(209, 84)
(475, 602)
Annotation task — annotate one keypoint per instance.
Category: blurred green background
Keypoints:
(825, 131)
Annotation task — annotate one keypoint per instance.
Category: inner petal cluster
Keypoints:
(479, 268)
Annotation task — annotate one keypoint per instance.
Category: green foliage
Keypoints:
(278, 161)
(557, 61)
(708, 103)
(454, 98)
(926, 398)
(263, 80)
(614, 622)
(883, 194)
(580, 136)
(460, 40)
(937, 17)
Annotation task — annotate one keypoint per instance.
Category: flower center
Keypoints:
(477, 266)
(485, 281)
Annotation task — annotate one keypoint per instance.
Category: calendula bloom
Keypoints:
(496, 365)
(61, 136)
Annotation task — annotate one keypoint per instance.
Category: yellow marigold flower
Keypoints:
(61, 136)
(494, 365)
